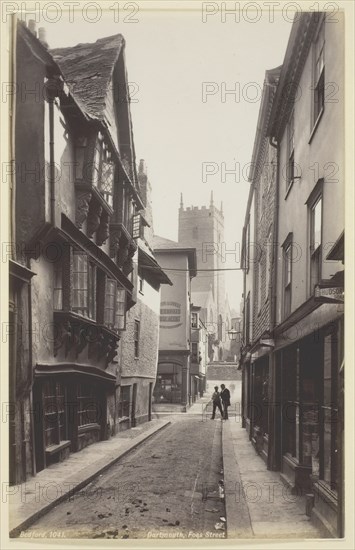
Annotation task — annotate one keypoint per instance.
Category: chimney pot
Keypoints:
(42, 36)
(32, 26)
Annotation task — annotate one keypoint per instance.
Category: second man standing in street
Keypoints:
(226, 400)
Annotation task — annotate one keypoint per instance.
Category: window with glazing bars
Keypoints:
(136, 338)
(84, 285)
(54, 414)
(316, 242)
(115, 306)
(124, 402)
(88, 405)
(104, 170)
(319, 73)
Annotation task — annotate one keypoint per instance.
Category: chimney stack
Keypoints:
(42, 37)
(32, 26)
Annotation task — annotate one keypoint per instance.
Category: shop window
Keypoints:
(311, 373)
(124, 403)
(290, 405)
(319, 73)
(54, 414)
(168, 384)
(136, 338)
(329, 410)
(260, 398)
(84, 285)
(88, 406)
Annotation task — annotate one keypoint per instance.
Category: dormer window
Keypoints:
(103, 170)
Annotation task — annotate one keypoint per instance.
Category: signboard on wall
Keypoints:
(170, 315)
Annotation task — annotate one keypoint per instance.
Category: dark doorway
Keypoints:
(150, 401)
(133, 406)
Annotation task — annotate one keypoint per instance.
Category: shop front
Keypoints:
(169, 383)
(311, 420)
(70, 411)
(259, 405)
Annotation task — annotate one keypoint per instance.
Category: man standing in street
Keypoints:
(216, 402)
(226, 400)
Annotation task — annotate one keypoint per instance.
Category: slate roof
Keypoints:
(162, 243)
(88, 67)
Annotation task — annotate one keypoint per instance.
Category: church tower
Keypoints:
(203, 229)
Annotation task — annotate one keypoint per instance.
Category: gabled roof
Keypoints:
(299, 43)
(162, 245)
(88, 67)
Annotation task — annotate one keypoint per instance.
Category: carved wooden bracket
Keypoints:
(75, 333)
(94, 218)
(127, 267)
(83, 199)
(65, 337)
(112, 351)
(103, 231)
(127, 164)
(114, 240)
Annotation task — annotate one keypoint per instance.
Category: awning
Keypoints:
(151, 269)
(337, 250)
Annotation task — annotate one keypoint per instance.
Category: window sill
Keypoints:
(88, 428)
(73, 316)
(123, 419)
(326, 493)
(315, 126)
(81, 185)
(53, 449)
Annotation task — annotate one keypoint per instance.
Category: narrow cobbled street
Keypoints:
(167, 487)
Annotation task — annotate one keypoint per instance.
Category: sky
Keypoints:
(186, 125)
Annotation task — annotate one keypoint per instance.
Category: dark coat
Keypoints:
(226, 396)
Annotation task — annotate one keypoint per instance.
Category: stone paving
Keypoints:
(40, 493)
(270, 510)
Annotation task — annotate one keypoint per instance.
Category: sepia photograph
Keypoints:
(176, 181)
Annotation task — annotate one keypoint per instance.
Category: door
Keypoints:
(38, 424)
(150, 401)
(133, 408)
